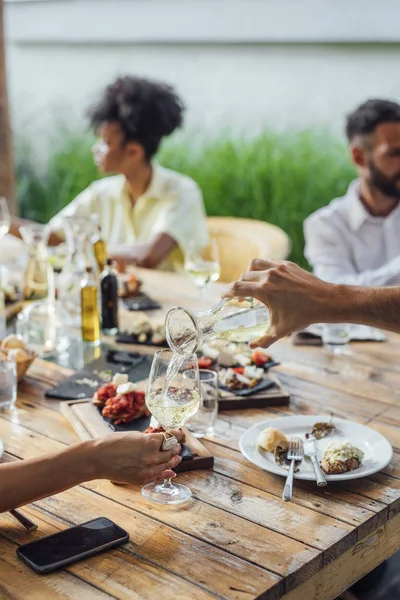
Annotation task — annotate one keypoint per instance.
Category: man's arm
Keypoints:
(148, 255)
(298, 299)
(328, 253)
(122, 458)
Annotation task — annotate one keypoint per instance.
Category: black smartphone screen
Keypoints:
(72, 544)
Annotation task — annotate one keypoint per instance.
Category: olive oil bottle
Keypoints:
(109, 299)
(90, 309)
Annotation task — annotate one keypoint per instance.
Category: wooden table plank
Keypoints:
(151, 544)
(282, 555)
(236, 539)
(352, 565)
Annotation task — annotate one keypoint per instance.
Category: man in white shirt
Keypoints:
(356, 239)
(149, 215)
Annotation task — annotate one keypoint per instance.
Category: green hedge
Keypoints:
(279, 178)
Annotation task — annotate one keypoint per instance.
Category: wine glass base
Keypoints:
(173, 493)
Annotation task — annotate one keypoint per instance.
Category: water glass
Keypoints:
(8, 384)
(335, 337)
(203, 422)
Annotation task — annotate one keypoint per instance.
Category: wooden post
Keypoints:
(7, 187)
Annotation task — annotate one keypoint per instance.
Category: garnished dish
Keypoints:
(341, 457)
(231, 354)
(241, 378)
(343, 448)
(144, 330)
(129, 286)
(120, 400)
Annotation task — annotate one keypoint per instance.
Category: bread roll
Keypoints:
(269, 438)
(18, 355)
(12, 341)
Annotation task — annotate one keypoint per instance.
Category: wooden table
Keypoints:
(236, 539)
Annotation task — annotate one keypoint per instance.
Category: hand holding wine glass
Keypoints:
(172, 399)
(5, 217)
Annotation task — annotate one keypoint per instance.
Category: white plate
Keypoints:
(1, 448)
(377, 450)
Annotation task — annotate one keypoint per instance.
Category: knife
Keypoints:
(310, 450)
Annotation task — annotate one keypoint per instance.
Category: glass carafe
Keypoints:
(38, 277)
(78, 232)
(238, 321)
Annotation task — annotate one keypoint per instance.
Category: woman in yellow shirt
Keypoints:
(148, 214)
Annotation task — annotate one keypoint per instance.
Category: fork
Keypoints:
(295, 454)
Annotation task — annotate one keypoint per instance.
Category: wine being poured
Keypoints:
(238, 321)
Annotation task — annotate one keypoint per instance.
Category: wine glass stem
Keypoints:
(167, 483)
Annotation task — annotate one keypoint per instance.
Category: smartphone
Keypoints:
(61, 549)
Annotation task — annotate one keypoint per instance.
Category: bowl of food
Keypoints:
(13, 348)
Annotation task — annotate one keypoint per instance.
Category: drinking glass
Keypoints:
(335, 337)
(8, 384)
(203, 266)
(172, 399)
(202, 423)
(5, 217)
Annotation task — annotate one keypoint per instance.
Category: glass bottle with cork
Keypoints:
(99, 245)
(109, 299)
(90, 309)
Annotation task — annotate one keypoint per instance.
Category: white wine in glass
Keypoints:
(203, 267)
(172, 399)
(5, 218)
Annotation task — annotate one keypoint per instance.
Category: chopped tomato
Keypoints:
(204, 362)
(259, 358)
(238, 370)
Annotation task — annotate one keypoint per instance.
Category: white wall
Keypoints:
(239, 63)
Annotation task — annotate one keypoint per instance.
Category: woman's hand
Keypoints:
(295, 297)
(133, 457)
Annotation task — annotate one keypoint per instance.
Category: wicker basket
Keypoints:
(240, 240)
(24, 365)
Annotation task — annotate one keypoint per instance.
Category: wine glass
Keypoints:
(203, 266)
(172, 399)
(5, 217)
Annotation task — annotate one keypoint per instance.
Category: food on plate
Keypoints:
(120, 400)
(129, 286)
(12, 341)
(204, 362)
(269, 438)
(229, 354)
(106, 391)
(260, 358)
(340, 457)
(322, 430)
(240, 378)
(281, 459)
(145, 330)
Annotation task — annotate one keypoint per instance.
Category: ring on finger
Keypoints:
(169, 441)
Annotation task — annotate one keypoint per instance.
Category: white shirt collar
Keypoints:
(358, 214)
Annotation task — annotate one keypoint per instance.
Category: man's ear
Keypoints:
(359, 155)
